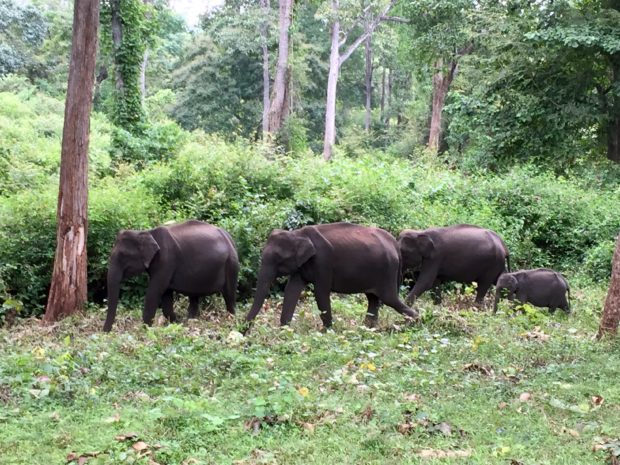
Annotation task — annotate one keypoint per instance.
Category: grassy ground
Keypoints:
(463, 387)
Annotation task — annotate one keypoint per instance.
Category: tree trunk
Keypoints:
(441, 85)
(368, 82)
(68, 286)
(611, 311)
(389, 97)
(264, 37)
(117, 40)
(145, 60)
(382, 104)
(279, 104)
(332, 84)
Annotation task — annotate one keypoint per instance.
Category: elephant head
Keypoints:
(506, 281)
(284, 254)
(415, 247)
(131, 255)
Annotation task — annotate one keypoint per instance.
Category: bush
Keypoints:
(28, 237)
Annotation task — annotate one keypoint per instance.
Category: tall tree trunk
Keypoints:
(117, 40)
(145, 60)
(68, 287)
(368, 82)
(441, 85)
(611, 311)
(279, 104)
(264, 38)
(383, 95)
(390, 73)
(613, 125)
(332, 85)
(335, 62)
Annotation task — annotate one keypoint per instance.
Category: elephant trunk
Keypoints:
(115, 276)
(265, 277)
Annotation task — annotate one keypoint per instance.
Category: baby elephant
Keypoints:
(541, 287)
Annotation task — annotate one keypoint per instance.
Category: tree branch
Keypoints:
(369, 30)
(396, 19)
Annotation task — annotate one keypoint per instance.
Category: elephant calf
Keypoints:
(541, 287)
(192, 258)
(337, 257)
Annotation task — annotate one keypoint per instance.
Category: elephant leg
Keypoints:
(391, 299)
(167, 306)
(372, 314)
(152, 300)
(323, 301)
(193, 308)
(230, 295)
(481, 292)
(424, 283)
(291, 296)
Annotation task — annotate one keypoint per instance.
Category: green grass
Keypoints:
(196, 394)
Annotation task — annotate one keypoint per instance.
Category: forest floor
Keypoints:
(464, 386)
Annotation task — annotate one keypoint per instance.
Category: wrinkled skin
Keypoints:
(192, 258)
(461, 253)
(337, 257)
(541, 287)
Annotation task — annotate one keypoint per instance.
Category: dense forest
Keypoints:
(259, 116)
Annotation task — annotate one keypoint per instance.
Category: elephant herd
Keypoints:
(198, 259)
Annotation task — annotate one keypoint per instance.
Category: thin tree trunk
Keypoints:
(611, 311)
(264, 38)
(383, 95)
(145, 60)
(279, 104)
(117, 40)
(335, 62)
(441, 86)
(389, 97)
(68, 286)
(368, 82)
(332, 85)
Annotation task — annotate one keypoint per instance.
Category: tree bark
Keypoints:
(264, 38)
(382, 104)
(441, 86)
(368, 82)
(117, 40)
(145, 60)
(68, 287)
(611, 312)
(279, 104)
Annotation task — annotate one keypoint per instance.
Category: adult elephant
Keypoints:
(337, 257)
(192, 258)
(461, 253)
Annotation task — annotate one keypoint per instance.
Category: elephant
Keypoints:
(541, 287)
(463, 253)
(192, 258)
(335, 257)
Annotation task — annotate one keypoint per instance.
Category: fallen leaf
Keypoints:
(515, 462)
(597, 401)
(525, 396)
(444, 428)
(303, 391)
(309, 427)
(405, 428)
(442, 454)
(140, 445)
(412, 397)
(571, 432)
(113, 419)
(502, 405)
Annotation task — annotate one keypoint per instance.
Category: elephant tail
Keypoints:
(508, 262)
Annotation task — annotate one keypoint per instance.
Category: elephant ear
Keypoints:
(426, 245)
(148, 247)
(305, 250)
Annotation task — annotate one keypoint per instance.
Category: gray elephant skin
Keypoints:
(463, 253)
(541, 287)
(336, 257)
(192, 258)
